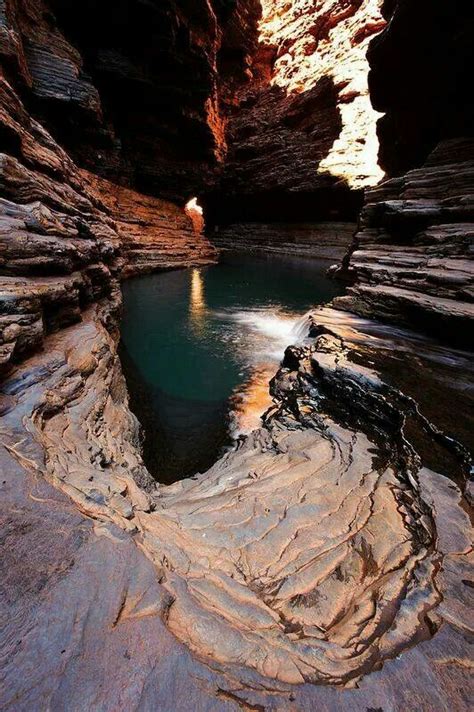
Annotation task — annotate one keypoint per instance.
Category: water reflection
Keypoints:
(251, 400)
(197, 302)
(264, 335)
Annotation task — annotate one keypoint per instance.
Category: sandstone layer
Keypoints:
(412, 258)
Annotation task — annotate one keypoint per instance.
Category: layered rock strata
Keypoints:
(328, 548)
(325, 241)
(67, 236)
(412, 257)
(130, 90)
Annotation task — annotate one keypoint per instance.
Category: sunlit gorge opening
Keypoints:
(195, 212)
(335, 51)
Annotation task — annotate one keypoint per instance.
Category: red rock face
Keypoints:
(67, 236)
(303, 123)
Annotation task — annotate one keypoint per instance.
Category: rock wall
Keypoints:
(67, 236)
(129, 89)
(411, 258)
(325, 241)
(301, 130)
(419, 70)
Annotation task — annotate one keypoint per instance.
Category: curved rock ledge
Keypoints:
(331, 547)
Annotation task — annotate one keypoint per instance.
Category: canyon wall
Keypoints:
(300, 131)
(324, 241)
(411, 258)
(67, 235)
(129, 89)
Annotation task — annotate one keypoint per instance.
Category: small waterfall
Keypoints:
(301, 329)
(263, 338)
(271, 331)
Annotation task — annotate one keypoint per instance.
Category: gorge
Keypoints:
(323, 558)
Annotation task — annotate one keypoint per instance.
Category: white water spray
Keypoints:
(263, 338)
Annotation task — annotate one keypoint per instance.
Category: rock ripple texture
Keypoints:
(325, 547)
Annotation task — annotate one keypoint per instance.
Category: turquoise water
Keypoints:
(200, 345)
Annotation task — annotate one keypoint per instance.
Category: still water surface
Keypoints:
(200, 345)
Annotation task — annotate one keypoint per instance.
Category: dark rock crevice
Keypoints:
(411, 258)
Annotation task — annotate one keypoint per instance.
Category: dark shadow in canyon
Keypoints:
(420, 74)
(153, 79)
(277, 141)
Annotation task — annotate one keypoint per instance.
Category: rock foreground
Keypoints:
(332, 547)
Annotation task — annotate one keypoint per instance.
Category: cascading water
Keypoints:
(269, 333)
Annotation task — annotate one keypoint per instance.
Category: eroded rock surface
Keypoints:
(68, 236)
(332, 542)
